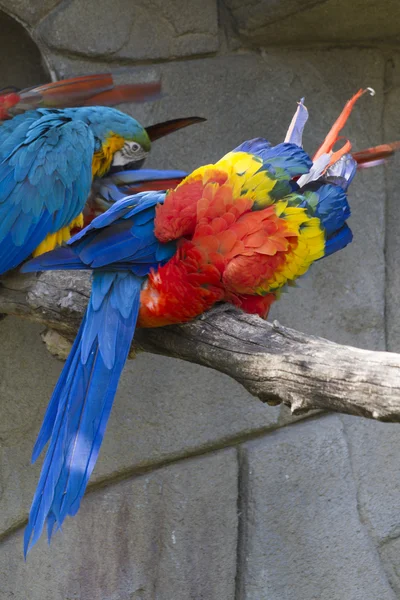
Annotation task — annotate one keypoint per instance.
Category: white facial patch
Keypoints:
(129, 153)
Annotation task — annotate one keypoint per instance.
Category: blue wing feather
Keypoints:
(111, 239)
(329, 203)
(289, 159)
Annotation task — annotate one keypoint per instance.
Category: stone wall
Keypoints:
(202, 492)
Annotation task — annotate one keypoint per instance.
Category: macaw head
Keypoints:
(135, 147)
(121, 143)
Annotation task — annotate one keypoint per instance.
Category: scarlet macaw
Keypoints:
(239, 231)
(49, 157)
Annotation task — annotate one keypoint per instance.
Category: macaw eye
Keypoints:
(131, 150)
(130, 154)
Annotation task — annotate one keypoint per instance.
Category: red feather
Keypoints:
(375, 155)
(130, 92)
(185, 287)
(232, 251)
(177, 216)
(87, 90)
(255, 305)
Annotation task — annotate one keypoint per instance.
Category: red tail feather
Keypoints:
(84, 86)
(87, 90)
(131, 92)
(7, 101)
(377, 155)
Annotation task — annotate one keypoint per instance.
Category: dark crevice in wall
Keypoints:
(112, 60)
(21, 62)
(242, 510)
(386, 87)
(364, 521)
(15, 527)
(229, 38)
(361, 515)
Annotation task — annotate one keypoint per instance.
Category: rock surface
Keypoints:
(302, 536)
(167, 534)
(131, 29)
(310, 22)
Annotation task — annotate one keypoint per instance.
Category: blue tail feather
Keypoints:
(78, 413)
(52, 408)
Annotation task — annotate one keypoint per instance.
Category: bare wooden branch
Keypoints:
(272, 362)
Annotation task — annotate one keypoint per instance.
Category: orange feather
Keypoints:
(331, 138)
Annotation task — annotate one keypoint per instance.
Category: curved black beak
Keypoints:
(159, 130)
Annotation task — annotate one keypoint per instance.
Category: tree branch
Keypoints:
(272, 362)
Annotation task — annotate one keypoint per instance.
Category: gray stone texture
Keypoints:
(308, 22)
(132, 29)
(29, 12)
(170, 534)
(375, 450)
(302, 537)
(391, 128)
(319, 501)
(390, 553)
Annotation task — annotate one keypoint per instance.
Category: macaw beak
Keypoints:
(159, 130)
(155, 132)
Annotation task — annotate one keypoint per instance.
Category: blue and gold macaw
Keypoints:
(49, 158)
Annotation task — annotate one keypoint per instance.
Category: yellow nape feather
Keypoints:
(248, 180)
(53, 240)
(103, 158)
(244, 175)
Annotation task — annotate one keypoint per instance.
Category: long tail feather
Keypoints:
(331, 138)
(124, 183)
(130, 92)
(75, 89)
(157, 185)
(333, 135)
(369, 157)
(87, 90)
(77, 416)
